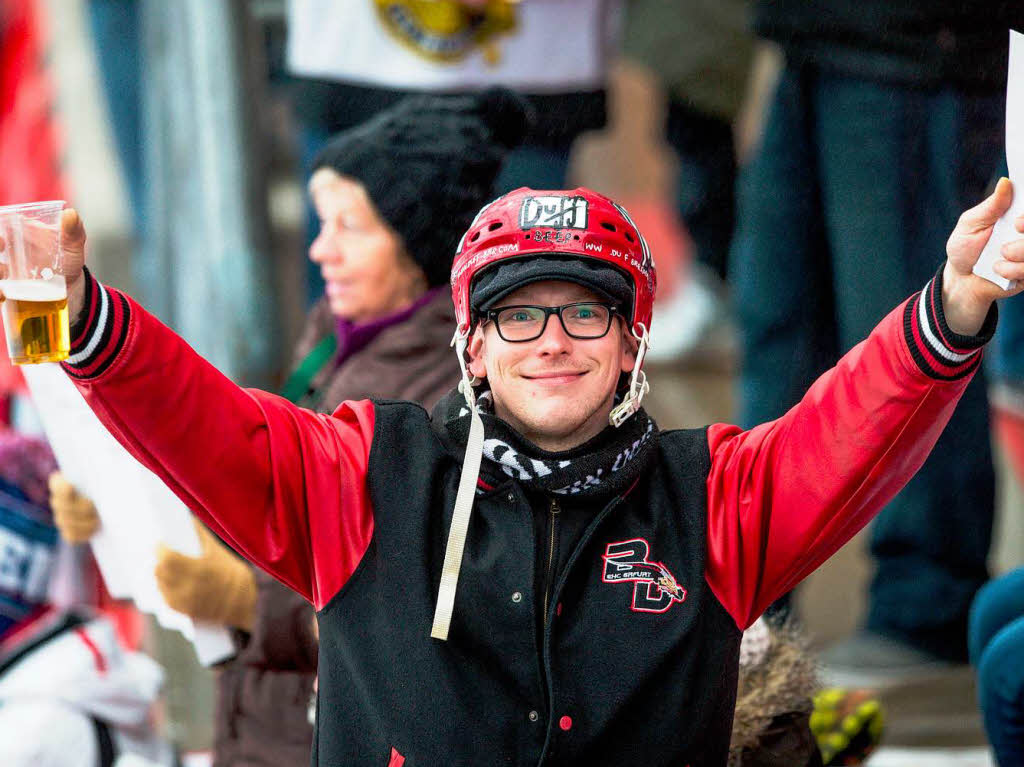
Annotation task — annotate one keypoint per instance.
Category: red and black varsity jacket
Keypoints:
(637, 662)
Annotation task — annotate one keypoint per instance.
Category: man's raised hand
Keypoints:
(966, 297)
(72, 245)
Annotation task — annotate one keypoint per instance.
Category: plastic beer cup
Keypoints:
(35, 312)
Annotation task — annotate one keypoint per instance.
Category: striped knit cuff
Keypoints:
(98, 334)
(938, 351)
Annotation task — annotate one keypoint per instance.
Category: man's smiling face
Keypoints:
(557, 391)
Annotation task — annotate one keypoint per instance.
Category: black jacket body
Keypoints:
(615, 682)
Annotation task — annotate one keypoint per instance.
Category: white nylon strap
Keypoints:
(459, 528)
(638, 385)
(463, 506)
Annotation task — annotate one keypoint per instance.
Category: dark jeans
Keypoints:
(1005, 358)
(706, 187)
(842, 214)
(997, 647)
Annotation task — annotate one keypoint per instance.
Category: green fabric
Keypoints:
(297, 385)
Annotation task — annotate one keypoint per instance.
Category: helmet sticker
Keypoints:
(554, 212)
(574, 223)
(647, 260)
(646, 265)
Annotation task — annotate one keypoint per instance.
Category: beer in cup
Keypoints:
(35, 312)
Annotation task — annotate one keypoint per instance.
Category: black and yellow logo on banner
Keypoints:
(448, 31)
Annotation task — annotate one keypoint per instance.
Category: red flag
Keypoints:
(30, 146)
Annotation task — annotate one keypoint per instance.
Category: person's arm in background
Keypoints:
(215, 586)
(786, 495)
(74, 514)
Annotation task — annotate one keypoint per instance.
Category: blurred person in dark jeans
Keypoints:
(887, 120)
(996, 628)
(350, 60)
(1005, 365)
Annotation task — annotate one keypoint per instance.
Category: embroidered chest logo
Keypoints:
(655, 589)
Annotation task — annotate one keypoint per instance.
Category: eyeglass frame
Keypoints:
(492, 316)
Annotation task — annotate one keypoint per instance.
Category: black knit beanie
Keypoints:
(429, 163)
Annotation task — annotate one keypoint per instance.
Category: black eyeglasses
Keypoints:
(582, 320)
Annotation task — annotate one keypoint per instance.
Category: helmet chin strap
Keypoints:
(638, 385)
(463, 499)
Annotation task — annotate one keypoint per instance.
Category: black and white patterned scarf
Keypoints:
(605, 465)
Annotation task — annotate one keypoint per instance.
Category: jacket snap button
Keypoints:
(511, 497)
(534, 716)
(517, 597)
(565, 723)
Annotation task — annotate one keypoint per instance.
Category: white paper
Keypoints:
(1004, 230)
(137, 510)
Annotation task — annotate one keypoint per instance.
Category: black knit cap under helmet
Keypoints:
(428, 165)
(505, 278)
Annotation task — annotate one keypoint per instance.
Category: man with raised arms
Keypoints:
(534, 573)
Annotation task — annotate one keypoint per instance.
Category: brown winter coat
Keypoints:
(264, 694)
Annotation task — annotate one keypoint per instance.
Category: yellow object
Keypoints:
(446, 30)
(35, 315)
(847, 724)
(217, 586)
(74, 514)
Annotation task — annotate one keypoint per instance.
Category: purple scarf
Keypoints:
(352, 337)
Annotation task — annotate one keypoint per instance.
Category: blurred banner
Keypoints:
(137, 510)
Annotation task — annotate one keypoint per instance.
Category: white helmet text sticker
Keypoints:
(553, 211)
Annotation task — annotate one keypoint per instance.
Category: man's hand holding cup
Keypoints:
(42, 254)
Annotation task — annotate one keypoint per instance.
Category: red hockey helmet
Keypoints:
(575, 223)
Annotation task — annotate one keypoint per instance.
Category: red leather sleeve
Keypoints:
(786, 495)
(285, 487)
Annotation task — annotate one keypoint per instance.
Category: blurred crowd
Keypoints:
(789, 213)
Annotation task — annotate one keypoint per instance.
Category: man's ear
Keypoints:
(475, 352)
(629, 350)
